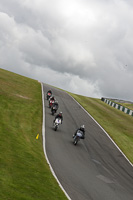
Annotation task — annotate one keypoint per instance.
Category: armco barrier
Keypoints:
(118, 106)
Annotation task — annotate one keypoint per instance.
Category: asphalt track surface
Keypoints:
(94, 169)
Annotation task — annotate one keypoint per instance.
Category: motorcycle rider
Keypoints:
(51, 101)
(60, 116)
(52, 98)
(82, 129)
(55, 105)
(49, 92)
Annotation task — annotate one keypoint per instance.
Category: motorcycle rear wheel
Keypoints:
(53, 112)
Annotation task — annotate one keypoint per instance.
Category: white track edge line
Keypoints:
(103, 130)
(44, 146)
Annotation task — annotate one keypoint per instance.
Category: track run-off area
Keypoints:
(95, 169)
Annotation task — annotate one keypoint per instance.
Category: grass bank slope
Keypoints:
(24, 173)
(117, 124)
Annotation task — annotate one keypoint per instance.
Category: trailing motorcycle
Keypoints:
(57, 122)
(77, 137)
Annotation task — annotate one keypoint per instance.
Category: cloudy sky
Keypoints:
(83, 46)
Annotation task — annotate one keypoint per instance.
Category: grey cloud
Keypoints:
(82, 41)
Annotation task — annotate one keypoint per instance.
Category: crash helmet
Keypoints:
(82, 127)
(60, 113)
(49, 91)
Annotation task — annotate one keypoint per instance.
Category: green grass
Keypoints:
(24, 172)
(117, 124)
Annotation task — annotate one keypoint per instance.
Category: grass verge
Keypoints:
(117, 124)
(24, 172)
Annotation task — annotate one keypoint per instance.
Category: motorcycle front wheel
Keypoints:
(55, 128)
(75, 141)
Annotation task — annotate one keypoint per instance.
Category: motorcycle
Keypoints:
(57, 123)
(77, 137)
(53, 110)
(51, 103)
(48, 95)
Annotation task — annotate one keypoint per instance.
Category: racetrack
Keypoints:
(94, 169)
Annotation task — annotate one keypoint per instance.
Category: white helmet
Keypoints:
(82, 127)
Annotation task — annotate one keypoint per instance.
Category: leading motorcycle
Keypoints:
(48, 95)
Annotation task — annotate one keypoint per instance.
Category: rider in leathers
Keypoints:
(82, 128)
(56, 105)
(59, 116)
(49, 91)
(52, 98)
